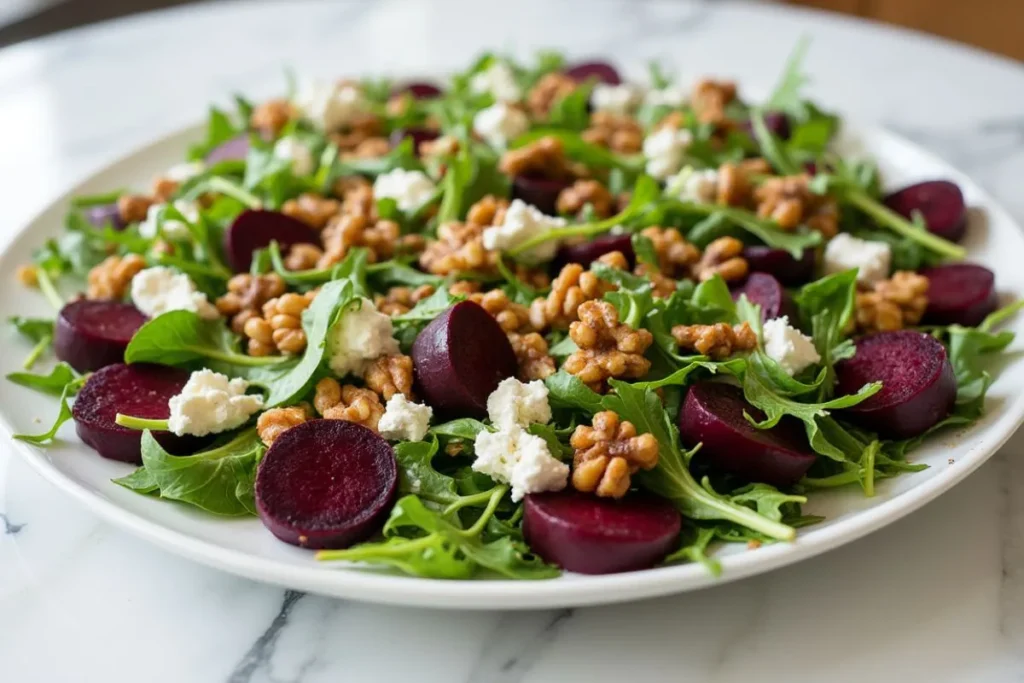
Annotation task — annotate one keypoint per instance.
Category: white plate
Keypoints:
(244, 547)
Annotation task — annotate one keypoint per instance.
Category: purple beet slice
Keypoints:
(417, 135)
(767, 292)
(235, 149)
(541, 192)
(780, 264)
(918, 386)
(776, 122)
(139, 390)
(586, 253)
(419, 90)
(590, 535)
(960, 293)
(940, 202)
(326, 484)
(103, 215)
(460, 358)
(91, 334)
(256, 229)
(603, 72)
(712, 415)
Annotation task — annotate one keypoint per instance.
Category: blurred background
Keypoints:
(996, 25)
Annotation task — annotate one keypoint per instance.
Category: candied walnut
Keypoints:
(608, 349)
(676, 256)
(133, 208)
(390, 375)
(382, 239)
(536, 277)
(716, 341)
(276, 421)
(892, 304)
(532, 356)
(544, 157)
(284, 314)
(271, 116)
(548, 90)
(370, 148)
(356, 195)
(164, 189)
(27, 275)
(358, 131)
(399, 300)
(608, 454)
(464, 287)
(446, 145)
(350, 403)
(459, 247)
(312, 209)
(490, 210)
(722, 257)
(621, 134)
(512, 317)
(303, 257)
(662, 287)
(710, 98)
(246, 295)
(572, 199)
(569, 291)
(735, 181)
(788, 201)
(112, 278)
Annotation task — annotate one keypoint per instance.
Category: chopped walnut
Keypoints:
(446, 145)
(607, 348)
(662, 287)
(512, 317)
(370, 148)
(574, 198)
(399, 300)
(532, 356)
(390, 375)
(350, 403)
(490, 210)
(112, 278)
(569, 291)
(608, 453)
(710, 98)
(246, 295)
(164, 189)
(362, 128)
(27, 275)
(788, 201)
(544, 157)
(548, 90)
(276, 421)
(356, 195)
(459, 248)
(675, 255)
(735, 181)
(133, 208)
(270, 117)
(382, 239)
(722, 257)
(303, 257)
(717, 341)
(312, 209)
(892, 304)
(464, 287)
(620, 134)
(280, 327)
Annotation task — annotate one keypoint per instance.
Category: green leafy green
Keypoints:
(178, 337)
(569, 391)
(63, 415)
(61, 378)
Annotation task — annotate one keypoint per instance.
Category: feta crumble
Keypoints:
(672, 96)
(691, 185)
(330, 106)
(409, 189)
(158, 290)
(523, 222)
(789, 347)
(498, 80)
(872, 260)
(664, 151)
(172, 227)
(183, 172)
(404, 420)
(210, 403)
(517, 404)
(290, 148)
(500, 123)
(620, 100)
(514, 456)
(361, 335)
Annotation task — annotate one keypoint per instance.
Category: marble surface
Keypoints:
(938, 596)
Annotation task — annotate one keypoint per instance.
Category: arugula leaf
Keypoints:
(578, 149)
(402, 156)
(389, 273)
(694, 548)
(571, 112)
(219, 129)
(771, 147)
(417, 474)
(178, 337)
(827, 306)
(786, 96)
(61, 378)
(63, 415)
(465, 428)
(569, 391)
(644, 249)
(35, 329)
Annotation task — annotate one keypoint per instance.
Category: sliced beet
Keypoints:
(326, 484)
(918, 386)
(590, 535)
(960, 293)
(776, 122)
(586, 253)
(767, 292)
(541, 192)
(603, 72)
(417, 135)
(712, 415)
(256, 229)
(235, 149)
(420, 90)
(940, 202)
(139, 390)
(103, 215)
(91, 334)
(780, 264)
(460, 358)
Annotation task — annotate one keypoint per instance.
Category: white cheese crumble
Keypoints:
(362, 335)
(789, 347)
(290, 148)
(517, 404)
(158, 290)
(672, 96)
(498, 80)
(404, 420)
(871, 259)
(620, 100)
(500, 123)
(180, 173)
(523, 222)
(330, 106)
(409, 189)
(664, 151)
(210, 403)
(172, 227)
(691, 185)
(513, 456)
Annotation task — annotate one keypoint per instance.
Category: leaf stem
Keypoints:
(226, 187)
(36, 352)
(467, 501)
(237, 358)
(496, 494)
(48, 289)
(140, 423)
(377, 550)
(888, 218)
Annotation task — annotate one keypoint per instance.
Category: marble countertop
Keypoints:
(938, 596)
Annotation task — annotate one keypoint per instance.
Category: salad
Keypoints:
(535, 319)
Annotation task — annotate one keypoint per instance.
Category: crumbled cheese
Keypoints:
(290, 148)
(620, 100)
(500, 123)
(664, 151)
(210, 403)
(498, 80)
(513, 456)
(523, 222)
(330, 106)
(404, 420)
(517, 404)
(789, 347)
(181, 173)
(691, 185)
(362, 335)
(871, 259)
(672, 96)
(172, 228)
(158, 290)
(409, 189)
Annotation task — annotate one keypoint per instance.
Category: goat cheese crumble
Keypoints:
(362, 335)
(664, 151)
(872, 260)
(500, 123)
(514, 456)
(671, 96)
(691, 185)
(409, 189)
(523, 222)
(789, 347)
(330, 106)
(404, 420)
(172, 227)
(183, 172)
(620, 100)
(158, 290)
(498, 80)
(210, 403)
(290, 148)
(517, 404)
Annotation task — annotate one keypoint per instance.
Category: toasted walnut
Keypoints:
(446, 145)
(735, 181)
(722, 257)
(608, 453)
(399, 300)
(512, 317)
(569, 291)
(532, 356)
(572, 199)
(246, 295)
(549, 89)
(27, 275)
(303, 257)
(358, 131)
(285, 317)
(312, 209)
(164, 189)
(662, 287)
(620, 134)
(893, 304)
(710, 98)
(112, 278)
(789, 202)
(490, 210)
(370, 148)
(544, 157)
(133, 208)
(350, 403)
(459, 248)
(272, 116)
(276, 421)
(716, 341)
(356, 195)
(464, 287)
(382, 239)
(390, 375)
(675, 255)
(607, 348)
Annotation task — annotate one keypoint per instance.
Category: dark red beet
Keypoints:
(91, 334)
(940, 202)
(586, 253)
(767, 292)
(776, 122)
(256, 228)
(417, 135)
(235, 149)
(541, 192)
(103, 215)
(420, 91)
(603, 72)
(779, 264)
(460, 358)
(139, 390)
(590, 535)
(326, 484)
(960, 293)
(712, 414)
(918, 386)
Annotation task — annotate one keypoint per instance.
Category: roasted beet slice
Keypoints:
(102, 215)
(960, 293)
(776, 122)
(590, 535)
(420, 90)
(235, 149)
(712, 414)
(585, 253)
(257, 228)
(139, 390)
(767, 292)
(940, 202)
(326, 484)
(780, 264)
(541, 192)
(460, 358)
(918, 386)
(603, 72)
(417, 135)
(92, 334)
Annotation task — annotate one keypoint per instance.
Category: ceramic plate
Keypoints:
(244, 547)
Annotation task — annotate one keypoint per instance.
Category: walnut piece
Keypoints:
(280, 327)
(112, 278)
(303, 257)
(893, 304)
(27, 275)
(710, 98)
(574, 198)
(399, 300)
(788, 201)
(544, 158)
(133, 208)
(569, 290)
(716, 341)
(607, 348)
(549, 89)
(608, 453)
(350, 403)
(246, 295)
(620, 134)
(532, 356)
(512, 317)
(271, 116)
(722, 257)
(276, 421)
(459, 248)
(382, 239)
(312, 209)
(675, 255)
(390, 375)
